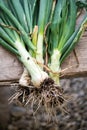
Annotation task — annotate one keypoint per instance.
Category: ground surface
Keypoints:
(21, 119)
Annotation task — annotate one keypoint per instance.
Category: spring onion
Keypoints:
(41, 33)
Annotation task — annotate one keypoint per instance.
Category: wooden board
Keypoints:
(70, 64)
(11, 69)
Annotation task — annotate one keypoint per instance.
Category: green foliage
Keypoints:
(81, 4)
(19, 17)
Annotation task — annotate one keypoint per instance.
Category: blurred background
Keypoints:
(16, 117)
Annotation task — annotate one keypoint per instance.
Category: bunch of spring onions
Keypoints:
(41, 33)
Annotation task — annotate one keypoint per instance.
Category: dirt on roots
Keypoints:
(49, 96)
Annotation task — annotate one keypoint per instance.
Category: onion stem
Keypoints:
(55, 65)
(37, 75)
(39, 53)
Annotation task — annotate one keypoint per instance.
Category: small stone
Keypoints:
(22, 124)
(11, 127)
(18, 111)
(54, 128)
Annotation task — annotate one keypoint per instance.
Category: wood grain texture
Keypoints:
(11, 69)
(81, 52)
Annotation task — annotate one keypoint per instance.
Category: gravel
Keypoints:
(20, 118)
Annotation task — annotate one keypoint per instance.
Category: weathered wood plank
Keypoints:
(81, 52)
(11, 69)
